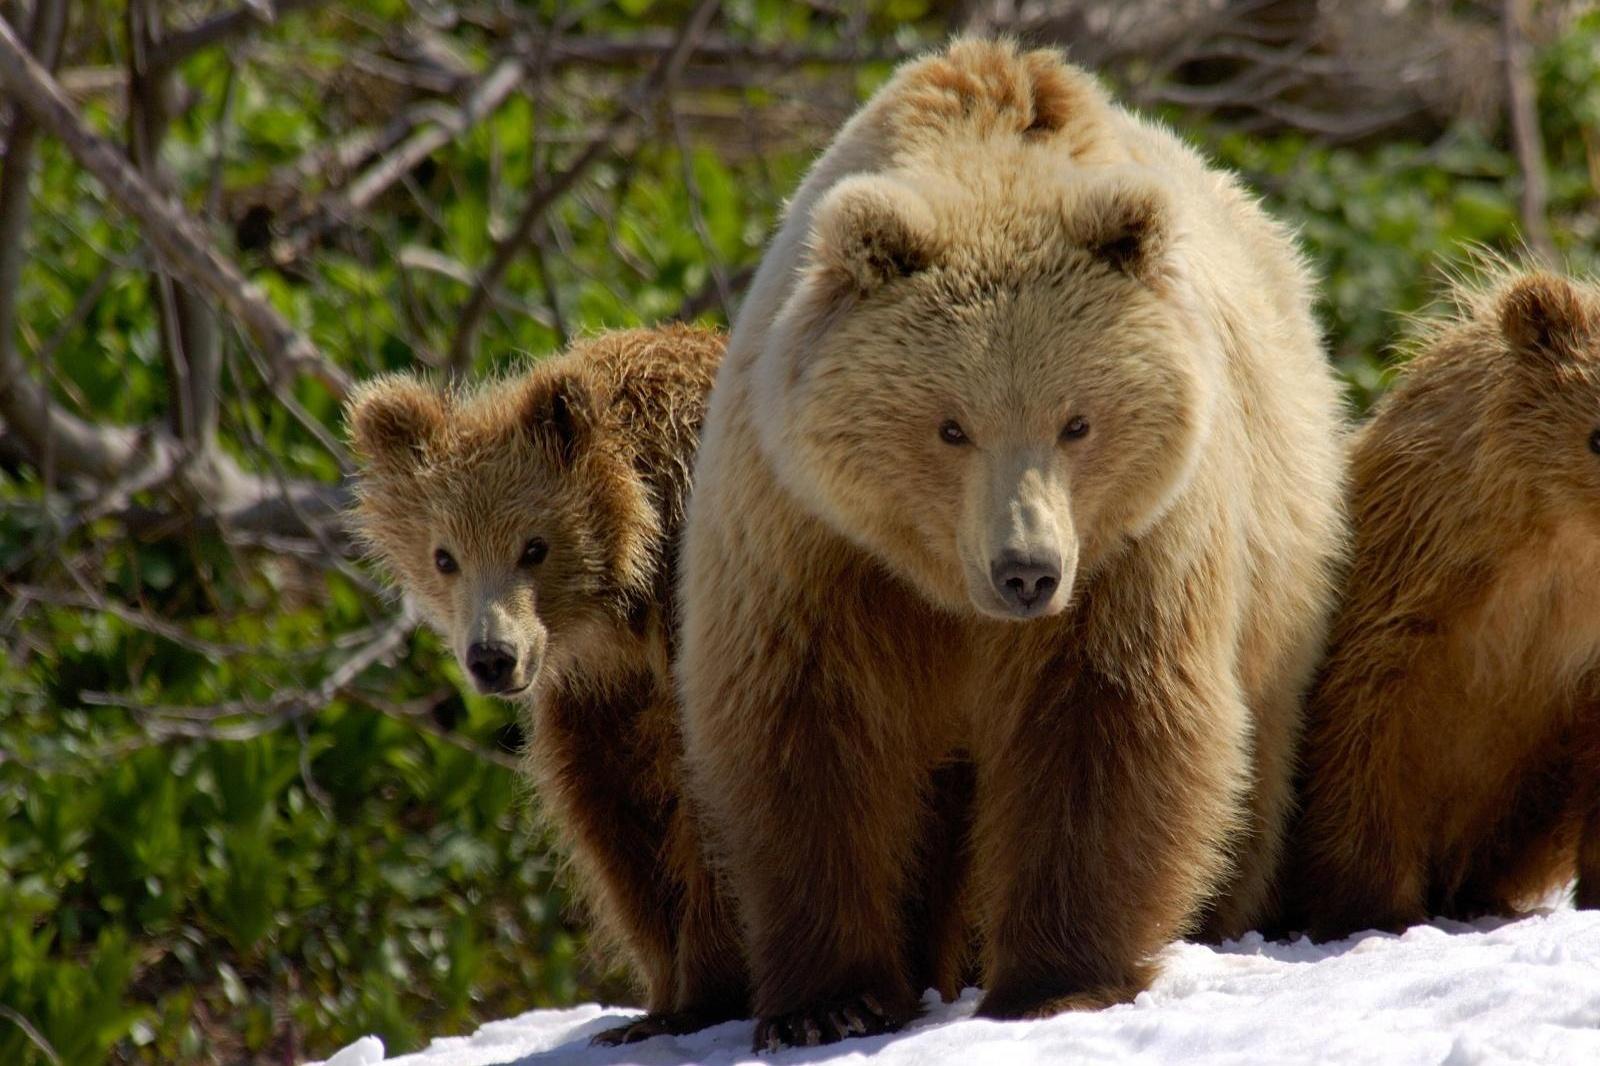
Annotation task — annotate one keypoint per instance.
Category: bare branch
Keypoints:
(650, 46)
(264, 717)
(138, 619)
(484, 99)
(52, 436)
(697, 215)
(405, 144)
(419, 714)
(177, 238)
(543, 194)
(219, 28)
(35, 1037)
(1523, 105)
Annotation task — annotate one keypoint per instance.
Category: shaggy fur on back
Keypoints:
(1453, 752)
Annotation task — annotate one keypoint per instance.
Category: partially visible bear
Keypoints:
(1025, 450)
(536, 521)
(1453, 746)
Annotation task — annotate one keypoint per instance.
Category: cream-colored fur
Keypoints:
(991, 243)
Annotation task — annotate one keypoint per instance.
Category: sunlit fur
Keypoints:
(991, 241)
(591, 452)
(1453, 752)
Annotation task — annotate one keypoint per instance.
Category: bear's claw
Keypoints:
(829, 1022)
(659, 1023)
(1032, 1004)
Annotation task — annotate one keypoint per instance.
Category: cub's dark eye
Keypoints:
(1594, 442)
(444, 561)
(533, 553)
(1076, 427)
(952, 433)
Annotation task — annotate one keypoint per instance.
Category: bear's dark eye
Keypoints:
(952, 433)
(533, 553)
(444, 561)
(1594, 442)
(1076, 427)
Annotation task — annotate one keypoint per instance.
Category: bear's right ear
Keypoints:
(558, 413)
(868, 231)
(1543, 318)
(393, 419)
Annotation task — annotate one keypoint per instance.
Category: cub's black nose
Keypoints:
(492, 665)
(1025, 582)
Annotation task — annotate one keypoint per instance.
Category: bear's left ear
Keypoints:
(1542, 317)
(393, 419)
(1127, 227)
(868, 231)
(558, 412)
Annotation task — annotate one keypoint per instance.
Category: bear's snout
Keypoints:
(1025, 583)
(493, 665)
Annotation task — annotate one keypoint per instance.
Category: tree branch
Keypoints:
(432, 126)
(217, 29)
(52, 437)
(178, 239)
(650, 46)
(1523, 105)
(543, 194)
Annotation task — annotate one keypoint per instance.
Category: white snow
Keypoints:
(1524, 991)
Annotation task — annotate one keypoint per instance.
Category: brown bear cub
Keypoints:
(535, 520)
(1452, 761)
(1026, 453)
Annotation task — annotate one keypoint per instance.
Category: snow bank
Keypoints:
(1450, 994)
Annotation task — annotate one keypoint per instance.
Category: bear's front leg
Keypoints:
(1586, 758)
(597, 765)
(1105, 806)
(807, 761)
(1360, 854)
(713, 982)
(1588, 891)
(710, 982)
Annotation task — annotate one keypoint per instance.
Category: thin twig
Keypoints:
(34, 1036)
(217, 29)
(262, 716)
(177, 237)
(1523, 103)
(543, 194)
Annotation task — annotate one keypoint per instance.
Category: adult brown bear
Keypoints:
(1025, 451)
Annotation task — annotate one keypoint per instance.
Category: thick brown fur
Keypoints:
(991, 241)
(1452, 760)
(590, 452)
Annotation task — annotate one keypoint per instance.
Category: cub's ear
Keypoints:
(393, 420)
(558, 412)
(869, 230)
(1542, 317)
(1127, 227)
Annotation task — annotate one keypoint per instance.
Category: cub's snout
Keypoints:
(493, 666)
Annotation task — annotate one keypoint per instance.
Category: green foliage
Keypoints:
(1385, 224)
(364, 868)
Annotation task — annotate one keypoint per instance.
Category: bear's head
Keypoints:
(992, 380)
(508, 514)
(1549, 327)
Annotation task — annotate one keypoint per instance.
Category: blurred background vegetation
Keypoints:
(247, 811)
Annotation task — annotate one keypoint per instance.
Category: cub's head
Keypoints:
(989, 381)
(1549, 327)
(505, 513)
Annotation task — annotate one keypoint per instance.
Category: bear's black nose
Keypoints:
(1025, 582)
(492, 664)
